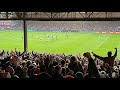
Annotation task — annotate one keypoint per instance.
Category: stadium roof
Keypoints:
(61, 16)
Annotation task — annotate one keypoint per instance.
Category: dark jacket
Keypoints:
(109, 60)
(57, 76)
(92, 69)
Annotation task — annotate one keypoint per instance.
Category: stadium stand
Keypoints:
(74, 26)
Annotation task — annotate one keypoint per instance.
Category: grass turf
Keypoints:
(75, 43)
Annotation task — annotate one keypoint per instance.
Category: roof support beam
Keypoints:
(54, 16)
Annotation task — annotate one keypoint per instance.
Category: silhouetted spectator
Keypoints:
(92, 69)
(19, 71)
(110, 59)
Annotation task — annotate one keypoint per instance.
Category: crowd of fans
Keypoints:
(65, 26)
(74, 26)
(16, 64)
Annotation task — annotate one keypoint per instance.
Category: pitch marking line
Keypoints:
(102, 42)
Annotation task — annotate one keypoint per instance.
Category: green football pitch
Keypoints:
(75, 43)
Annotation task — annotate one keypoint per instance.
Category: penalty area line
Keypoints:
(102, 42)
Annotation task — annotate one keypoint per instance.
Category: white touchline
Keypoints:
(102, 42)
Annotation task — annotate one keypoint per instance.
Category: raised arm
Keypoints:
(2, 52)
(97, 56)
(115, 52)
(92, 69)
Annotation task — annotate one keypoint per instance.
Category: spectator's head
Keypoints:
(10, 70)
(63, 62)
(67, 61)
(15, 76)
(55, 63)
(109, 54)
(41, 61)
(36, 71)
(6, 64)
(79, 75)
(30, 68)
(58, 69)
(29, 63)
(19, 71)
(73, 59)
(114, 74)
(103, 74)
(43, 68)
(46, 62)
(67, 70)
(23, 64)
(71, 72)
(4, 74)
(25, 70)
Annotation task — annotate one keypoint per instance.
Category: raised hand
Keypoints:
(115, 48)
(87, 54)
